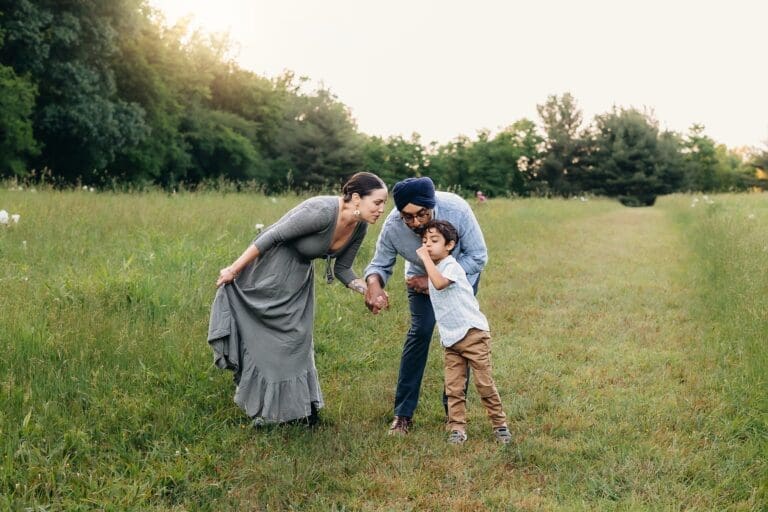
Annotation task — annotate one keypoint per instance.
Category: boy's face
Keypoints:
(434, 241)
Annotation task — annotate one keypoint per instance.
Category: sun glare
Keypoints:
(218, 16)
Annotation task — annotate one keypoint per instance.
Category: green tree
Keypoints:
(219, 148)
(562, 164)
(733, 172)
(449, 164)
(700, 160)
(394, 158)
(17, 143)
(253, 98)
(514, 152)
(149, 71)
(759, 159)
(628, 160)
(79, 117)
(317, 145)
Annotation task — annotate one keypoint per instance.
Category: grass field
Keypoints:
(629, 351)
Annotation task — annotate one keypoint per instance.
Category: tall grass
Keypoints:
(627, 349)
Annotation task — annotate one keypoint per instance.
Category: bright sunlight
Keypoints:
(219, 16)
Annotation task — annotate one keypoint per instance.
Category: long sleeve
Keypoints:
(342, 269)
(311, 216)
(474, 253)
(384, 257)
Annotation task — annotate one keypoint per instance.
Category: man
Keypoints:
(416, 203)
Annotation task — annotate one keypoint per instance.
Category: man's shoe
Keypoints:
(400, 426)
(502, 435)
(457, 437)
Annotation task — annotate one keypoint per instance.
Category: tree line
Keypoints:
(103, 93)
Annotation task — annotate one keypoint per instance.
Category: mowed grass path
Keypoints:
(615, 371)
(608, 375)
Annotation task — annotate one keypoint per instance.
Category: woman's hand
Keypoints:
(358, 285)
(226, 276)
(376, 298)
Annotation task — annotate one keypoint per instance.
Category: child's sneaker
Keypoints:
(457, 437)
(502, 435)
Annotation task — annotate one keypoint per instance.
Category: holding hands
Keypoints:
(376, 298)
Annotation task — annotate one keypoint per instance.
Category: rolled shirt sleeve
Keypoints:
(386, 253)
(473, 254)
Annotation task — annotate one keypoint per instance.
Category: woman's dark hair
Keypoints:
(445, 228)
(361, 183)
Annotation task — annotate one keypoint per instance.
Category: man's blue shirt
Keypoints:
(397, 238)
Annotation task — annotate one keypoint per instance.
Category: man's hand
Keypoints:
(376, 298)
(419, 284)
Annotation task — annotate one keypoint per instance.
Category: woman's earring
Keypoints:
(356, 213)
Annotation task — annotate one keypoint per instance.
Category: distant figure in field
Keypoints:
(263, 313)
(464, 333)
(416, 203)
(480, 197)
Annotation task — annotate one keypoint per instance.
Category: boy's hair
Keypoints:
(446, 229)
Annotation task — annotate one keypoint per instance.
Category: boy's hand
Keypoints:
(422, 253)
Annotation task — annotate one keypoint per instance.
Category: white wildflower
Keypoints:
(259, 227)
(751, 216)
(85, 187)
(3, 217)
(273, 199)
(91, 189)
(15, 218)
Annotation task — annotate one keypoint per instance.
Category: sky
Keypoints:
(444, 68)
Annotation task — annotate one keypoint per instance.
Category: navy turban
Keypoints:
(419, 191)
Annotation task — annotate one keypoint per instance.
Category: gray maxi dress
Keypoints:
(261, 323)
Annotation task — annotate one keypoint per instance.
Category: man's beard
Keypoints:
(419, 230)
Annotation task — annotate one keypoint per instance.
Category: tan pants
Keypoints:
(474, 350)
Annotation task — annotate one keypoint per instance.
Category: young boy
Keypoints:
(463, 332)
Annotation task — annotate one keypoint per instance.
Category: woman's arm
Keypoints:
(228, 274)
(342, 267)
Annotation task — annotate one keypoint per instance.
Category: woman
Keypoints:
(262, 316)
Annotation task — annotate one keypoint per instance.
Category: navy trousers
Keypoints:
(415, 352)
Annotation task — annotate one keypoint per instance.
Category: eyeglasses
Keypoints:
(422, 215)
